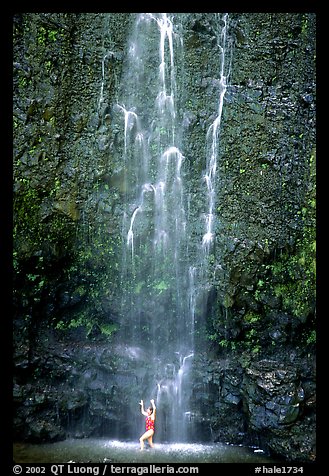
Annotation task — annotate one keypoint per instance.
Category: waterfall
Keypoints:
(159, 280)
(155, 304)
(200, 270)
(212, 141)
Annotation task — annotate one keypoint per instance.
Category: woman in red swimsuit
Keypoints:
(149, 424)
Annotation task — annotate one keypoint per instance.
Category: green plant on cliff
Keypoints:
(26, 212)
(89, 323)
(297, 289)
(291, 277)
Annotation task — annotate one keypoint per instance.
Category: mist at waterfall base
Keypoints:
(102, 450)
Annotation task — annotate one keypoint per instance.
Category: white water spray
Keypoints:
(160, 279)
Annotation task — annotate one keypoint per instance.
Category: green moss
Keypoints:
(108, 329)
(161, 286)
(41, 36)
(293, 277)
(252, 317)
(228, 301)
(311, 337)
(44, 35)
(88, 322)
(26, 212)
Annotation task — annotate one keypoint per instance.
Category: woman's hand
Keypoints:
(141, 402)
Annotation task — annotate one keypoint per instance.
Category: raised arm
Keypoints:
(142, 408)
(154, 409)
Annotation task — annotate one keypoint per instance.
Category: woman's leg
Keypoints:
(145, 436)
(150, 440)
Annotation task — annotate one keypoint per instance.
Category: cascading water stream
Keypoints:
(212, 142)
(155, 305)
(160, 282)
(200, 270)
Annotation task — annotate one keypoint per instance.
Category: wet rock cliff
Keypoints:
(255, 372)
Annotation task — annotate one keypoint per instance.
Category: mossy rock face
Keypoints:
(64, 131)
(58, 121)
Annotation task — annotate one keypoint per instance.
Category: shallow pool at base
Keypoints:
(102, 450)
